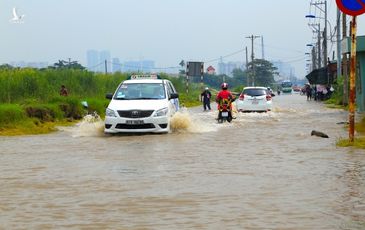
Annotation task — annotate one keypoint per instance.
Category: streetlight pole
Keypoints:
(339, 61)
(325, 28)
(325, 34)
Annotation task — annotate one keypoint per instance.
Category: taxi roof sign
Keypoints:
(143, 76)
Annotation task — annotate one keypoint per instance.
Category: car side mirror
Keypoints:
(174, 95)
(109, 96)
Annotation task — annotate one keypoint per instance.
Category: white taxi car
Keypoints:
(143, 103)
(254, 99)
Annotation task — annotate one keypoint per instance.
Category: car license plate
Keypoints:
(224, 114)
(134, 122)
(255, 101)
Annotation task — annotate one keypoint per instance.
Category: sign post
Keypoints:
(194, 69)
(352, 8)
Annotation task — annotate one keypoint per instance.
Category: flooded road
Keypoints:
(262, 171)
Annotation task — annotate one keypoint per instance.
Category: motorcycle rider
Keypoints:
(224, 98)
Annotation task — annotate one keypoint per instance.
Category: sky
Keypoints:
(166, 31)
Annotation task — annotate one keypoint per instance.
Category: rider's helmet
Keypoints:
(224, 85)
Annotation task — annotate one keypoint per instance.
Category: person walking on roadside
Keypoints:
(63, 91)
(205, 98)
(308, 92)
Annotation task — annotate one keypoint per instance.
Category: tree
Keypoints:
(239, 76)
(263, 73)
(62, 64)
(6, 66)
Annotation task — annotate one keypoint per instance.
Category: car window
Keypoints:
(173, 90)
(140, 91)
(254, 92)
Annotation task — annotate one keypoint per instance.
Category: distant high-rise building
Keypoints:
(286, 71)
(116, 65)
(105, 57)
(93, 60)
(96, 60)
(145, 66)
(227, 68)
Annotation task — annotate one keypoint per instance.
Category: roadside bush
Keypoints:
(71, 108)
(97, 105)
(11, 113)
(44, 112)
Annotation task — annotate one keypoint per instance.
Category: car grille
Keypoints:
(139, 126)
(135, 113)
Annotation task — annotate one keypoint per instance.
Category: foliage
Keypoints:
(337, 95)
(261, 72)
(359, 142)
(10, 113)
(61, 64)
(42, 85)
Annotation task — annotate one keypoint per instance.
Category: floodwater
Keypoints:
(262, 171)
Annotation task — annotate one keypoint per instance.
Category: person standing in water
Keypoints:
(205, 98)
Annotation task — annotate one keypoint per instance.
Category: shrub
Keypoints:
(11, 113)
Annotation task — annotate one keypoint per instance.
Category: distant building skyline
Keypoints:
(227, 67)
(101, 61)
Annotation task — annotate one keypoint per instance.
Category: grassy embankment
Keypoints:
(30, 101)
(336, 101)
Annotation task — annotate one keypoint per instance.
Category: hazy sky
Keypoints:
(165, 31)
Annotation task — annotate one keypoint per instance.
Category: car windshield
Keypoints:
(140, 91)
(254, 92)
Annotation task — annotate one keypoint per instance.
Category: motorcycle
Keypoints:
(225, 110)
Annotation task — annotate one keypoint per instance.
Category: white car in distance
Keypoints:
(254, 99)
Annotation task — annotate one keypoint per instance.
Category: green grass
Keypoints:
(359, 141)
(30, 102)
(11, 113)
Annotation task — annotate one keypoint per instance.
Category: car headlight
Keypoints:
(110, 113)
(161, 112)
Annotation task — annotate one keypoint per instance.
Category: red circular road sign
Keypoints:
(351, 7)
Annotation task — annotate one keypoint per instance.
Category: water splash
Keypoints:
(183, 121)
(90, 126)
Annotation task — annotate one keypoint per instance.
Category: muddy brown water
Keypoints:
(262, 171)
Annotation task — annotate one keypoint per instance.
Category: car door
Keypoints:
(174, 102)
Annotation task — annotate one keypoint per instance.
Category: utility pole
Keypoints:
(338, 35)
(319, 46)
(106, 67)
(247, 77)
(325, 34)
(345, 64)
(352, 80)
(262, 48)
(314, 59)
(324, 31)
(339, 69)
(252, 37)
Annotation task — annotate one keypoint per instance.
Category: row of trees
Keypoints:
(260, 72)
(61, 64)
